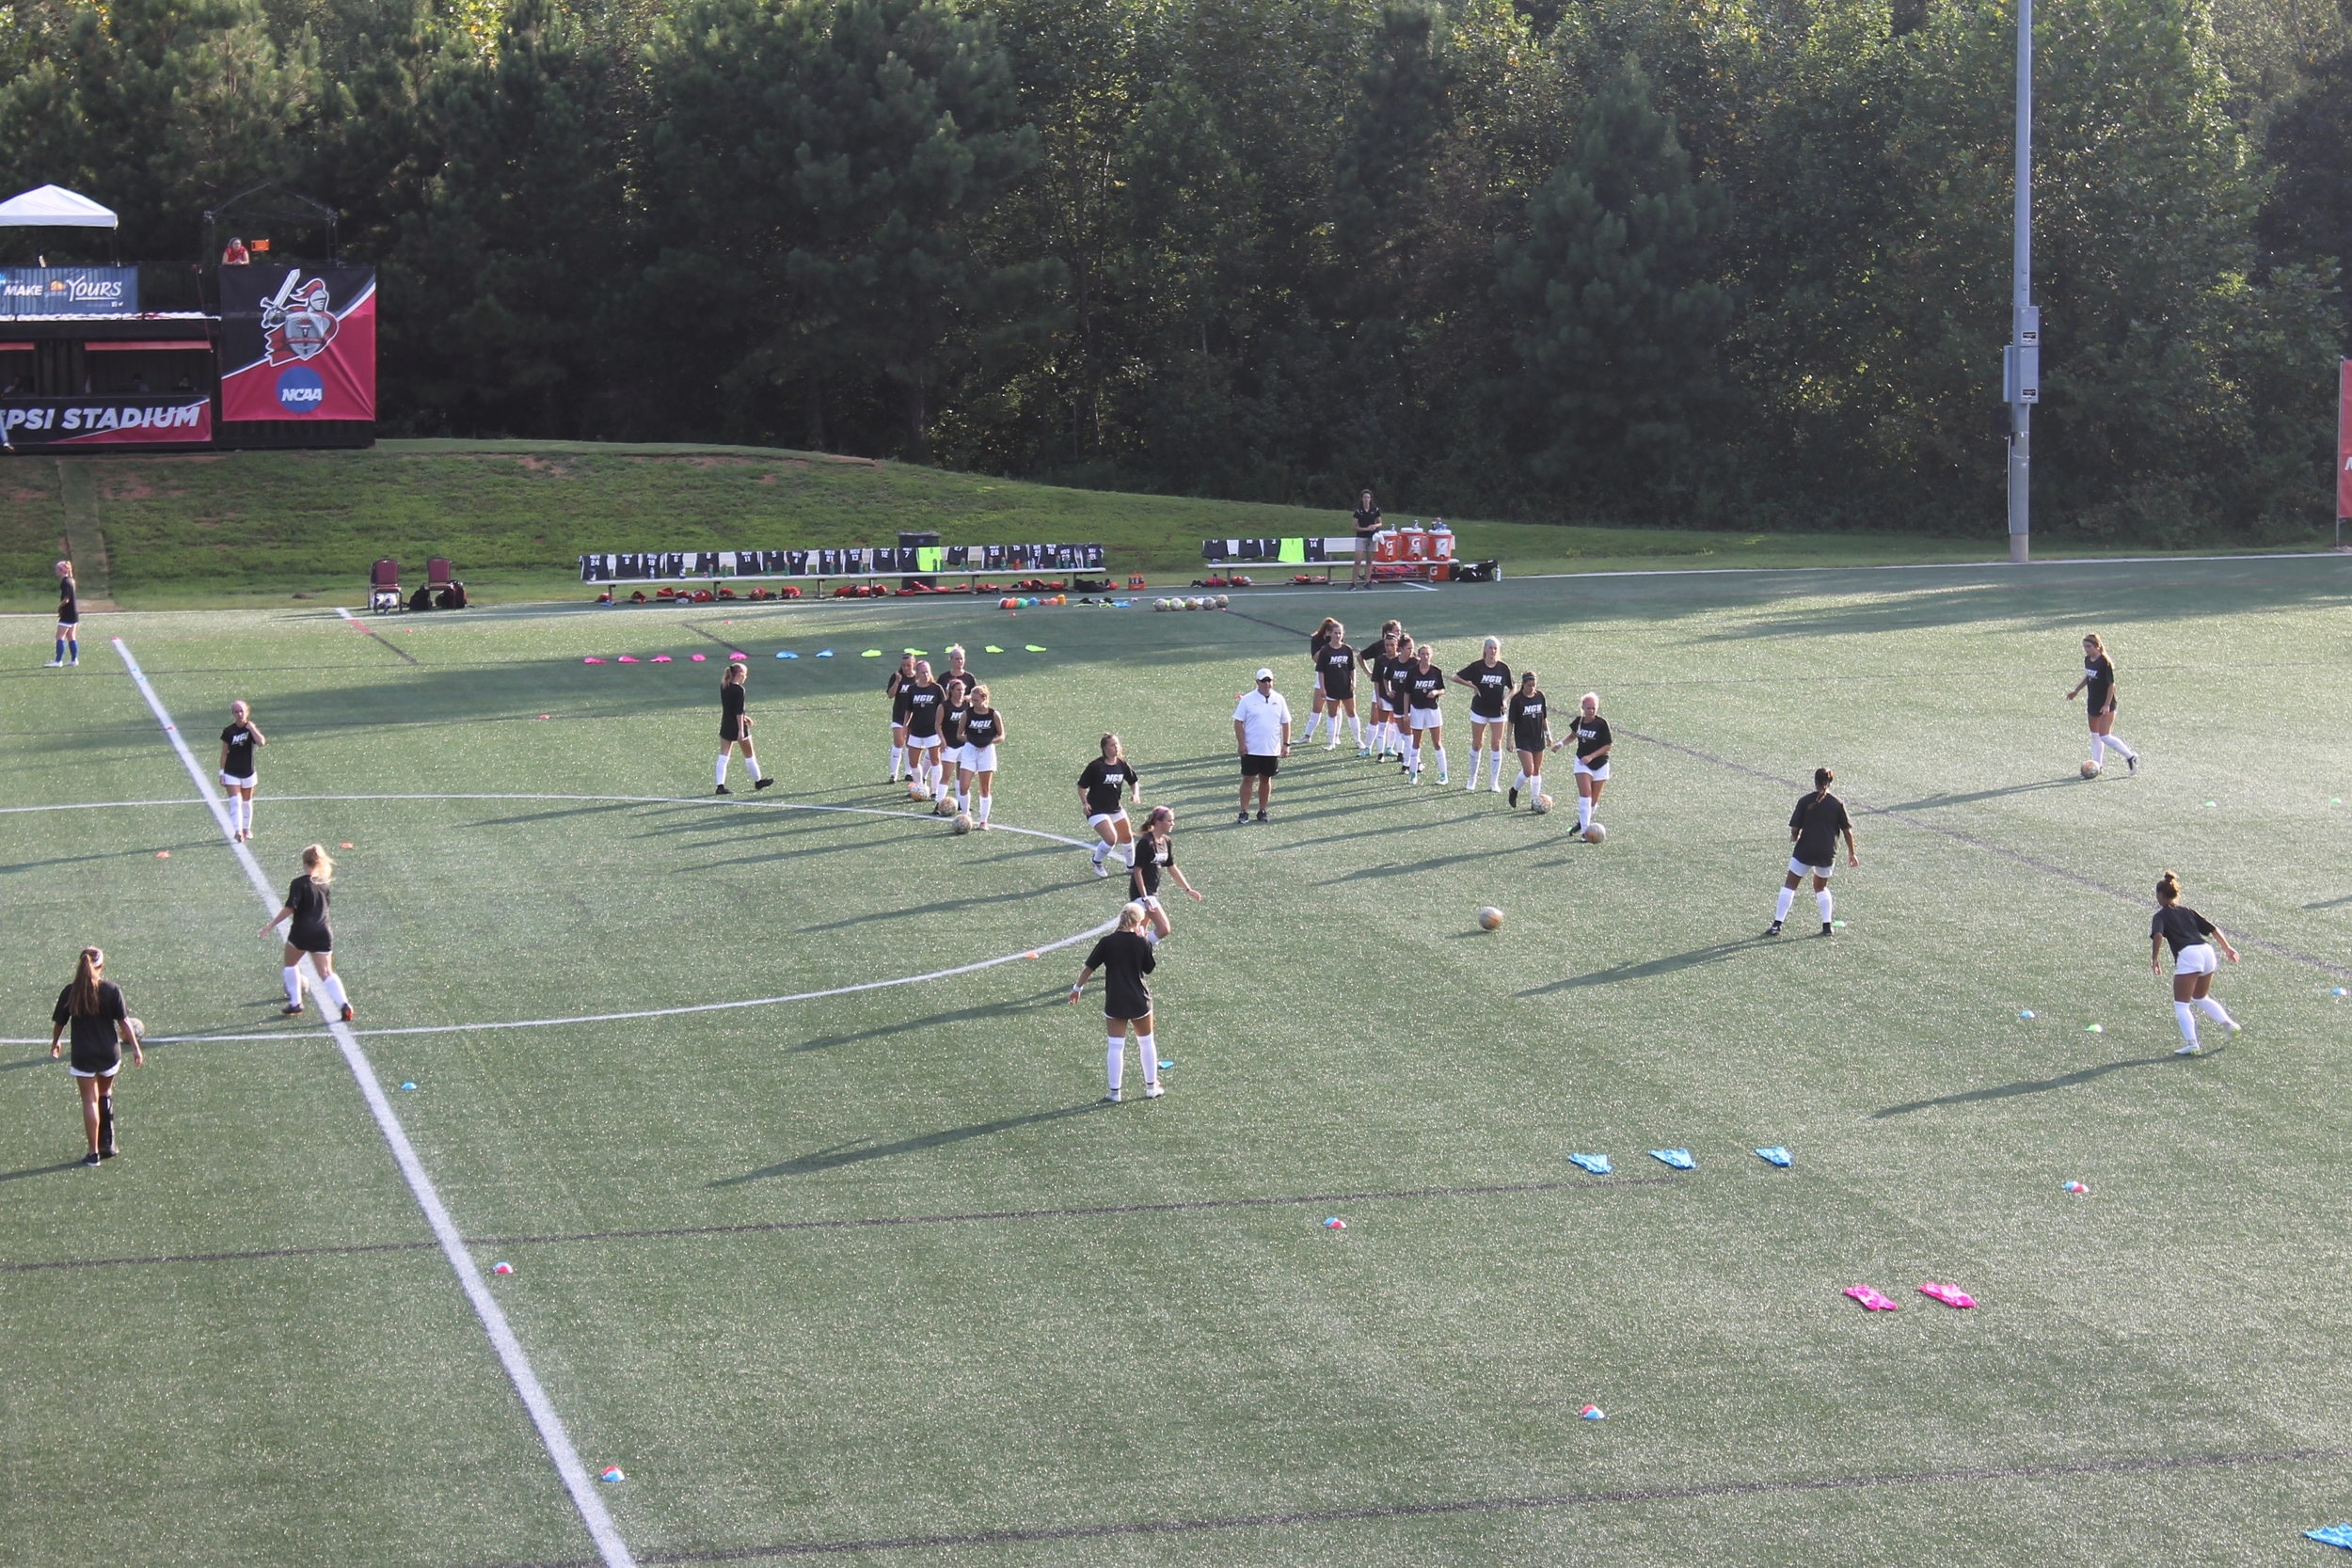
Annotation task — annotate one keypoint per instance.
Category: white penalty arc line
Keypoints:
(552, 1435)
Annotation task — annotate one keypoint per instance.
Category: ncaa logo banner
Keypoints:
(298, 343)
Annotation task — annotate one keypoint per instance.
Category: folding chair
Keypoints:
(439, 574)
(383, 586)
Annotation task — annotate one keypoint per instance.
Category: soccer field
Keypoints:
(859, 1265)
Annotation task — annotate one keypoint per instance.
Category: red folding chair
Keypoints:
(383, 586)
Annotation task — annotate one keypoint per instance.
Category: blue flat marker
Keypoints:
(1678, 1158)
(824, 653)
(1777, 1156)
(2332, 1535)
(1597, 1163)
(786, 653)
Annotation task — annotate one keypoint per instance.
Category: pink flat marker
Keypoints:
(661, 659)
(698, 658)
(628, 659)
(738, 655)
(1950, 1295)
(592, 661)
(1872, 1301)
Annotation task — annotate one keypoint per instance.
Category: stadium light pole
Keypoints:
(2021, 367)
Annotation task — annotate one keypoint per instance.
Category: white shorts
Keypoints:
(1379, 703)
(229, 782)
(922, 743)
(1478, 719)
(1428, 719)
(1101, 816)
(1798, 868)
(980, 759)
(77, 1072)
(2195, 958)
(1598, 775)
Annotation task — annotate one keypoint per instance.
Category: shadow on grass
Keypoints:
(943, 906)
(40, 1170)
(1651, 968)
(2010, 1091)
(860, 1150)
(1406, 869)
(1932, 801)
(958, 1015)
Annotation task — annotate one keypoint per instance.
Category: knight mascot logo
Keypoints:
(297, 322)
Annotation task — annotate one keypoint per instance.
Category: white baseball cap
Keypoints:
(1265, 674)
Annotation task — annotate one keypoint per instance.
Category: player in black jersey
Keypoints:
(1424, 688)
(1315, 640)
(69, 618)
(1812, 831)
(1155, 852)
(1376, 662)
(984, 728)
(958, 669)
(896, 690)
(951, 756)
(92, 1006)
(2192, 962)
(1124, 957)
(1099, 787)
(236, 768)
(1530, 713)
(306, 908)
(926, 709)
(1489, 681)
(1396, 686)
(1593, 740)
(1335, 679)
(2098, 680)
(735, 730)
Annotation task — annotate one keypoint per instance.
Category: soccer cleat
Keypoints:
(346, 1012)
(1100, 869)
(1111, 1099)
(1774, 930)
(2131, 764)
(90, 1158)
(1363, 750)
(722, 790)
(2234, 1027)
(1262, 816)
(762, 783)
(2192, 1049)
(1515, 796)
(290, 1009)
(1825, 928)
(1153, 1092)
(54, 664)
(1241, 816)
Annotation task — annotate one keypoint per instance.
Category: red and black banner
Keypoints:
(175, 421)
(298, 343)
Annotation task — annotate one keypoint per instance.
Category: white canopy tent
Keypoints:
(55, 207)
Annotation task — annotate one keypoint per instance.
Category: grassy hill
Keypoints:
(249, 528)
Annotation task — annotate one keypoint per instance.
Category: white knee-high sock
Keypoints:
(1786, 901)
(2213, 1010)
(1151, 1059)
(1360, 729)
(1314, 721)
(2098, 750)
(1583, 812)
(751, 765)
(986, 801)
(248, 803)
(898, 762)
(293, 986)
(722, 769)
(1416, 765)
(1441, 778)
(2187, 1021)
(2117, 741)
(1823, 902)
(1116, 1059)
(333, 986)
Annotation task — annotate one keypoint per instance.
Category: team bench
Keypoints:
(703, 576)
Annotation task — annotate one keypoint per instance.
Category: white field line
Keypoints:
(558, 1442)
(1920, 566)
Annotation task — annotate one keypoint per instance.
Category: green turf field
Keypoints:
(874, 1275)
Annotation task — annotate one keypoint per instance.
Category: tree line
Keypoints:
(1737, 263)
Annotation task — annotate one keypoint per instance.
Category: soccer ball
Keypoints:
(945, 808)
(1539, 805)
(1222, 602)
(138, 1027)
(2090, 770)
(963, 824)
(1595, 834)
(1490, 919)
(917, 792)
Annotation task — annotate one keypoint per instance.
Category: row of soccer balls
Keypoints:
(1204, 601)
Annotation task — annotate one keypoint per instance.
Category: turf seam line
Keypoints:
(1276, 624)
(850, 1223)
(1505, 1504)
(714, 637)
(357, 624)
(611, 1549)
(2017, 857)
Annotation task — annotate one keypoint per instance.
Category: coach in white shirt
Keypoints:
(1261, 730)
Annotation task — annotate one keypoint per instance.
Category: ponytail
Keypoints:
(84, 1001)
(317, 862)
(2168, 887)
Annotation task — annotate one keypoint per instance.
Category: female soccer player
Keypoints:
(735, 730)
(101, 1027)
(1124, 957)
(2192, 962)
(1593, 742)
(1396, 685)
(2098, 675)
(952, 761)
(983, 727)
(1376, 662)
(236, 768)
(1424, 691)
(1098, 797)
(927, 707)
(1490, 680)
(1813, 829)
(958, 669)
(1155, 852)
(1323, 634)
(306, 908)
(1335, 680)
(896, 690)
(1531, 732)
(69, 618)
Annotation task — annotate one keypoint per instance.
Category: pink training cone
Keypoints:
(1872, 1301)
(698, 658)
(591, 660)
(1950, 1295)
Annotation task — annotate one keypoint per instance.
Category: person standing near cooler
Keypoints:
(1426, 689)
(1531, 733)
(2192, 962)
(308, 933)
(1155, 852)
(926, 709)
(1490, 680)
(236, 768)
(1593, 742)
(1261, 733)
(1124, 957)
(92, 1006)
(68, 619)
(1367, 524)
(896, 690)
(1099, 787)
(984, 728)
(1336, 683)
(1813, 829)
(2099, 680)
(735, 730)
